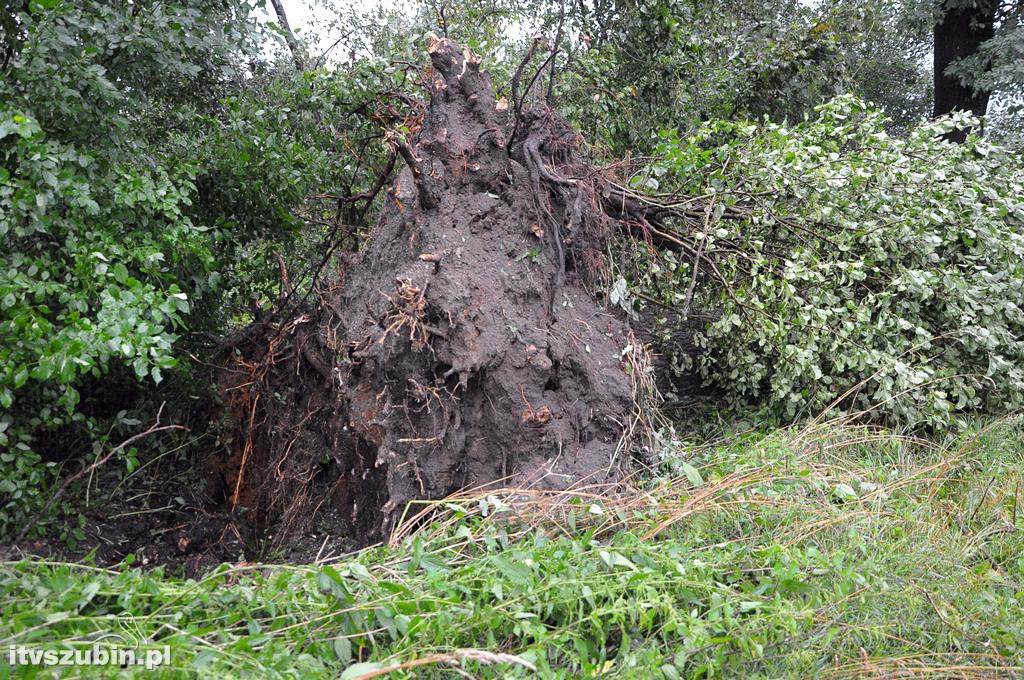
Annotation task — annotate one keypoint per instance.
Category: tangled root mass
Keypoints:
(461, 346)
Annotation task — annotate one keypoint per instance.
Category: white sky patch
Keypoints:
(310, 19)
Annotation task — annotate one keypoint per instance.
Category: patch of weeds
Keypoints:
(825, 552)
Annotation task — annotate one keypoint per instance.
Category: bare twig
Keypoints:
(516, 78)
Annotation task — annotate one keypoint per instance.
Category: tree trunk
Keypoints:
(12, 30)
(289, 37)
(962, 29)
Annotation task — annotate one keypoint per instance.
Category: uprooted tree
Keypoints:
(461, 346)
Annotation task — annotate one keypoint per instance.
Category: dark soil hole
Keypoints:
(553, 382)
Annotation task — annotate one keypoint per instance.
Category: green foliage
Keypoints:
(152, 166)
(850, 256)
(83, 286)
(627, 69)
(800, 554)
(102, 261)
(276, 158)
(659, 63)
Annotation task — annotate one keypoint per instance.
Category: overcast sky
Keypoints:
(301, 13)
(304, 15)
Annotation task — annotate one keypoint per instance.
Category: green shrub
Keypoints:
(103, 263)
(90, 279)
(151, 164)
(844, 254)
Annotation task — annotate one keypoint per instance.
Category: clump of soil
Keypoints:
(461, 346)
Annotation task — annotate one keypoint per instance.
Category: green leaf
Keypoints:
(692, 474)
(613, 559)
(355, 670)
(343, 649)
(845, 491)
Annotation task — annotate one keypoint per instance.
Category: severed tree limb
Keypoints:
(425, 188)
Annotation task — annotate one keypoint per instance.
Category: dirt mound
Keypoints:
(459, 347)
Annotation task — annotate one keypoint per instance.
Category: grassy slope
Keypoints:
(826, 552)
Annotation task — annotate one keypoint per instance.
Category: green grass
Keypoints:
(833, 551)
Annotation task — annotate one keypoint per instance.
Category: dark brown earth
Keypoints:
(461, 346)
(165, 518)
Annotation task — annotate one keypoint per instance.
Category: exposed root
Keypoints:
(639, 432)
(339, 407)
(407, 310)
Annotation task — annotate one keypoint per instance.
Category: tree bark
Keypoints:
(965, 25)
(289, 37)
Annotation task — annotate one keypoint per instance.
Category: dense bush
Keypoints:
(101, 264)
(145, 157)
(843, 254)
